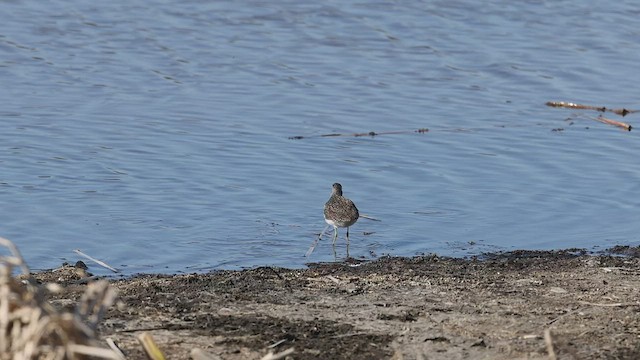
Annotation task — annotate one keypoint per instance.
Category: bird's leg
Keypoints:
(335, 237)
(347, 242)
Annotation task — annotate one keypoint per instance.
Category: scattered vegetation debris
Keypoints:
(619, 124)
(569, 105)
(31, 328)
(370, 133)
(622, 112)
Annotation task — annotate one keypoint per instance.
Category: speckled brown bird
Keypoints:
(340, 212)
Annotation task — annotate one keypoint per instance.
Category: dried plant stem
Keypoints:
(101, 263)
(280, 355)
(150, 346)
(549, 342)
(32, 328)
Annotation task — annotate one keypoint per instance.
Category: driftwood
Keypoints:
(619, 124)
(101, 263)
(600, 118)
(370, 133)
(568, 105)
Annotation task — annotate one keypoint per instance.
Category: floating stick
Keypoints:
(96, 261)
(315, 242)
(370, 133)
(568, 105)
(369, 217)
(604, 120)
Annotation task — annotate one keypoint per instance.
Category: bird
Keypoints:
(339, 212)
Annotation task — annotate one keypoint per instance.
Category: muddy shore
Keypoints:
(497, 307)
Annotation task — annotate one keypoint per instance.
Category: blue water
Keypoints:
(156, 136)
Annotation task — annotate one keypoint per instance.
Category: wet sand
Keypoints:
(497, 307)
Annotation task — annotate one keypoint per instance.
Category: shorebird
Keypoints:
(339, 212)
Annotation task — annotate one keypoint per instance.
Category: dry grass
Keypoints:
(30, 328)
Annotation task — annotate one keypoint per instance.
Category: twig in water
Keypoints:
(369, 217)
(312, 247)
(568, 105)
(77, 251)
(315, 243)
(604, 120)
(370, 133)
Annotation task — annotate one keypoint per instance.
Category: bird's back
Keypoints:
(340, 211)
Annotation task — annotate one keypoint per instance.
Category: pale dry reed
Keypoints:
(31, 328)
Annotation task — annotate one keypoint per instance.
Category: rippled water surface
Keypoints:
(156, 136)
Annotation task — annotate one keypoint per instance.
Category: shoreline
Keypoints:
(514, 305)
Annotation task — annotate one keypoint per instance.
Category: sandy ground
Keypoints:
(429, 307)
